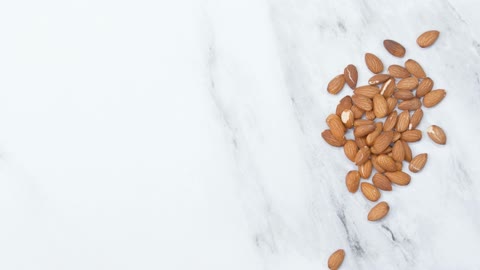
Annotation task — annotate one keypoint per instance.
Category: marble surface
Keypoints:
(186, 135)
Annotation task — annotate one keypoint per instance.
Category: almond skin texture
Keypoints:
(409, 83)
(428, 38)
(381, 182)
(351, 76)
(415, 119)
(382, 142)
(396, 136)
(357, 112)
(370, 191)
(378, 79)
(433, 98)
(360, 141)
(363, 130)
(374, 64)
(336, 126)
(375, 164)
(394, 48)
(362, 155)
(424, 87)
(411, 105)
(373, 136)
(332, 140)
(399, 165)
(388, 88)
(352, 180)
(398, 152)
(387, 163)
(403, 121)
(365, 169)
(403, 95)
(415, 69)
(398, 71)
(418, 162)
(344, 104)
(336, 84)
(362, 102)
(350, 149)
(437, 134)
(362, 122)
(390, 122)
(413, 135)
(347, 118)
(399, 178)
(367, 90)
(370, 115)
(392, 103)
(407, 150)
(378, 211)
(380, 107)
(336, 259)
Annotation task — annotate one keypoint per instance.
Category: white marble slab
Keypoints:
(186, 135)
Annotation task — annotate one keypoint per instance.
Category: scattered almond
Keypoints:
(433, 98)
(418, 162)
(380, 107)
(362, 155)
(415, 69)
(410, 105)
(398, 71)
(378, 211)
(370, 191)
(408, 83)
(367, 91)
(352, 180)
(332, 140)
(403, 121)
(378, 79)
(381, 182)
(336, 84)
(399, 178)
(437, 134)
(351, 76)
(374, 64)
(394, 48)
(365, 169)
(428, 38)
(398, 152)
(424, 87)
(336, 259)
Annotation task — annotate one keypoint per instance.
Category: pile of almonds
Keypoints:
(384, 116)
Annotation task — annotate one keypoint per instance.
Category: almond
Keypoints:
(374, 64)
(362, 155)
(403, 94)
(403, 121)
(352, 180)
(336, 259)
(398, 71)
(396, 136)
(398, 152)
(399, 178)
(336, 84)
(332, 140)
(437, 134)
(381, 182)
(408, 151)
(424, 87)
(362, 122)
(413, 135)
(370, 191)
(415, 119)
(378, 79)
(387, 163)
(433, 98)
(336, 126)
(380, 107)
(394, 48)
(347, 118)
(351, 76)
(409, 83)
(344, 104)
(399, 165)
(392, 103)
(378, 212)
(365, 169)
(415, 69)
(410, 105)
(360, 141)
(375, 164)
(363, 130)
(373, 136)
(370, 115)
(386, 151)
(382, 142)
(428, 38)
(418, 162)
(362, 102)
(367, 90)
(357, 112)
(350, 149)
(388, 88)
(390, 121)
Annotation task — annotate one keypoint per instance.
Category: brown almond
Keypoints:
(428, 38)
(403, 95)
(409, 83)
(399, 165)
(378, 79)
(336, 84)
(396, 136)
(378, 212)
(418, 162)
(362, 122)
(350, 149)
(387, 150)
(410, 105)
(352, 180)
(413, 135)
(382, 142)
(362, 102)
(398, 71)
(380, 107)
(347, 118)
(367, 90)
(375, 164)
(399, 178)
(365, 169)
(437, 134)
(351, 76)
(388, 88)
(424, 87)
(363, 130)
(398, 152)
(332, 140)
(394, 48)
(415, 69)
(362, 155)
(392, 103)
(370, 115)
(415, 119)
(336, 126)
(373, 135)
(360, 141)
(403, 121)
(433, 98)
(336, 259)
(408, 151)
(390, 121)
(370, 191)
(344, 104)
(387, 163)
(357, 112)
(374, 64)
(381, 182)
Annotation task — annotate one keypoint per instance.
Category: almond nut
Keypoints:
(437, 134)
(428, 38)
(398, 71)
(378, 211)
(381, 182)
(352, 180)
(370, 191)
(415, 68)
(394, 48)
(399, 178)
(351, 76)
(433, 98)
(374, 64)
(350, 149)
(418, 162)
(336, 259)
(336, 84)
